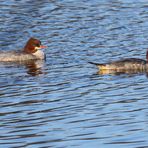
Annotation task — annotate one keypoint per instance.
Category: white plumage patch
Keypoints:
(39, 54)
(20, 56)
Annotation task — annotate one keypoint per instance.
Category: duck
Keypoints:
(31, 51)
(124, 64)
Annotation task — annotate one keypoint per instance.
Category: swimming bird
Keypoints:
(124, 64)
(31, 51)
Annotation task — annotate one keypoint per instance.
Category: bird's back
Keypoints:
(131, 63)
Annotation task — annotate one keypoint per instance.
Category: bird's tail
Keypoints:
(97, 64)
(100, 66)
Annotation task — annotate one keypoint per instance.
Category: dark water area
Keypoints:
(64, 102)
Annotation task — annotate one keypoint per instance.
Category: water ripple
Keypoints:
(65, 102)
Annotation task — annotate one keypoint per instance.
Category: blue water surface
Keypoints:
(64, 102)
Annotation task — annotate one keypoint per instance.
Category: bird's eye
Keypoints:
(37, 45)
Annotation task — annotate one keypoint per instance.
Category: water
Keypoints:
(64, 102)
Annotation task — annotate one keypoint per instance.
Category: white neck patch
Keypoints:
(39, 54)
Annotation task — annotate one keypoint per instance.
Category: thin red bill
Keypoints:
(42, 46)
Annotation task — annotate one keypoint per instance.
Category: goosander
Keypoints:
(30, 52)
(125, 64)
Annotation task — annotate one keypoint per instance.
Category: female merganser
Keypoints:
(30, 52)
(125, 64)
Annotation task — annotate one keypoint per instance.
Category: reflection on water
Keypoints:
(63, 103)
(33, 68)
(122, 71)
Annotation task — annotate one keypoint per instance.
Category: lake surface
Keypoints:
(64, 102)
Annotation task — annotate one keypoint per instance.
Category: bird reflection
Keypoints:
(34, 68)
(122, 71)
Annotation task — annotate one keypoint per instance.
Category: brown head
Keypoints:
(147, 55)
(33, 45)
